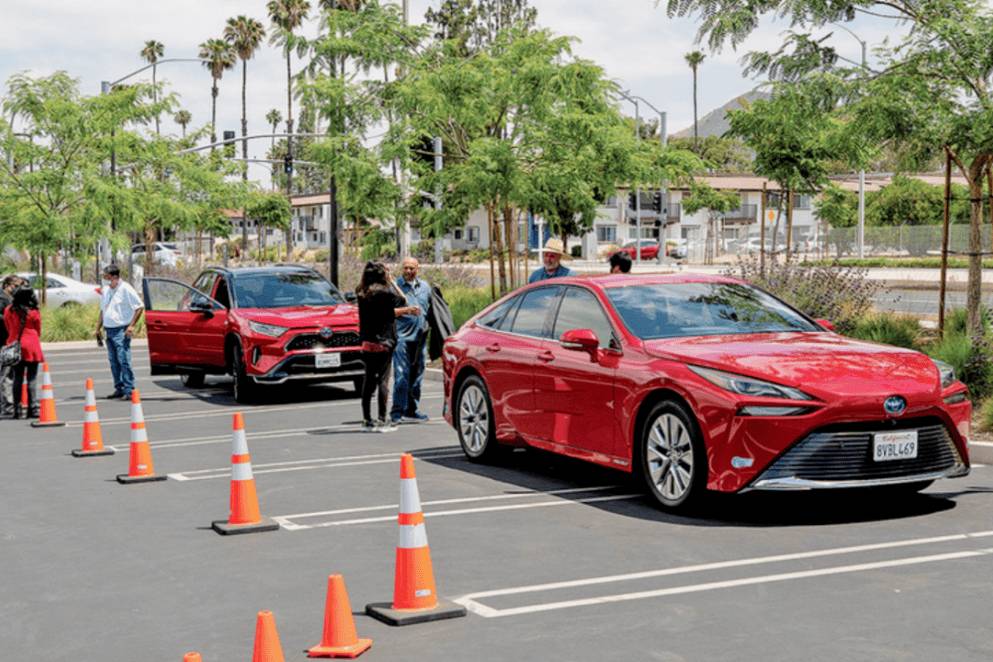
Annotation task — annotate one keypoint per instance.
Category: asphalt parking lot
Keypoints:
(555, 560)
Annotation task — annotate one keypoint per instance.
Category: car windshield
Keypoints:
(678, 310)
(282, 290)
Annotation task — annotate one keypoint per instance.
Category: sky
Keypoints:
(633, 40)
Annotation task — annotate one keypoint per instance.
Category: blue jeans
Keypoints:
(408, 373)
(119, 352)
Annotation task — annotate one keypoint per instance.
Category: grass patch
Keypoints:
(971, 361)
(986, 415)
(465, 302)
(890, 329)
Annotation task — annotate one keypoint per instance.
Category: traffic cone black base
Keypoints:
(384, 611)
(53, 424)
(77, 452)
(225, 529)
(125, 479)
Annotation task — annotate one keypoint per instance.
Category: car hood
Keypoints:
(821, 364)
(298, 317)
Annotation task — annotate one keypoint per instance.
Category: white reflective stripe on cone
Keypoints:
(410, 500)
(46, 379)
(91, 416)
(46, 394)
(91, 398)
(241, 471)
(412, 536)
(136, 414)
(139, 434)
(239, 446)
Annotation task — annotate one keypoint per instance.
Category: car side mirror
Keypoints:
(581, 340)
(351, 297)
(826, 324)
(203, 307)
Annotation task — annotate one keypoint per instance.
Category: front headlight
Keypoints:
(748, 385)
(267, 329)
(946, 371)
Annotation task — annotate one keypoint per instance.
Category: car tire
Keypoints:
(244, 387)
(192, 379)
(670, 455)
(473, 418)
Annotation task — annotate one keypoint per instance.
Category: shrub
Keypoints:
(890, 329)
(971, 362)
(74, 323)
(986, 415)
(957, 321)
(842, 295)
(465, 302)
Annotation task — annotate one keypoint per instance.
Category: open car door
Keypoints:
(185, 327)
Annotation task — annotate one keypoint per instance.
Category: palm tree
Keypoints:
(694, 59)
(244, 34)
(273, 117)
(182, 118)
(286, 16)
(152, 53)
(217, 56)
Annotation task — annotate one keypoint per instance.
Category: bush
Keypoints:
(465, 302)
(890, 329)
(957, 321)
(971, 362)
(842, 295)
(986, 415)
(74, 323)
(898, 262)
(424, 250)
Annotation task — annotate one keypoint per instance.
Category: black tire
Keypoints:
(477, 433)
(670, 455)
(192, 379)
(244, 388)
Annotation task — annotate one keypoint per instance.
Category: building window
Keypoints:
(606, 233)
(457, 234)
(472, 234)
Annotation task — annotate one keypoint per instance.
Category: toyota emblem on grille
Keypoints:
(894, 405)
(326, 333)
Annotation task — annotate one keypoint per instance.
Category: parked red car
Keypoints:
(649, 249)
(262, 325)
(700, 382)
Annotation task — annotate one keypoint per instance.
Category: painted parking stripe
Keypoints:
(288, 523)
(316, 463)
(208, 413)
(471, 601)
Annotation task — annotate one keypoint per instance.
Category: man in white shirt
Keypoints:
(120, 310)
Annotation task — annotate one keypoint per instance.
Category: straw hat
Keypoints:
(554, 245)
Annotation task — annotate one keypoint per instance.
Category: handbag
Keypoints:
(10, 355)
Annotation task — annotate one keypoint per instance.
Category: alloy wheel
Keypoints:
(474, 419)
(669, 457)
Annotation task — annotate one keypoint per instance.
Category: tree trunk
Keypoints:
(213, 115)
(44, 279)
(244, 150)
(775, 226)
(289, 150)
(508, 228)
(495, 232)
(155, 99)
(199, 251)
(149, 248)
(489, 220)
(696, 136)
(975, 286)
(789, 222)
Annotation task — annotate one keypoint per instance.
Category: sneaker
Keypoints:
(386, 426)
(369, 426)
(416, 417)
(116, 395)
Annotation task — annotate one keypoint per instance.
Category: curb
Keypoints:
(981, 452)
(84, 344)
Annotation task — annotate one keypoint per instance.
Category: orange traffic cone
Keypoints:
(267, 648)
(140, 466)
(47, 418)
(24, 395)
(340, 638)
(244, 517)
(92, 436)
(415, 599)
(192, 657)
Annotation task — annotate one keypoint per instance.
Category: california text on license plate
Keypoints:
(894, 445)
(329, 360)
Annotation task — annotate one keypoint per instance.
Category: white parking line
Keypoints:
(57, 372)
(248, 411)
(471, 601)
(286, 521)
(316, 463)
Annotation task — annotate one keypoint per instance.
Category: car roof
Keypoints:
(271, 269)
(609, 281)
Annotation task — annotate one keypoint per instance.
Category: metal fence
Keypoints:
(902, 240)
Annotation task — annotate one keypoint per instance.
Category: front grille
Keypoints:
(844, 452)
(315, 341)
(304, 364)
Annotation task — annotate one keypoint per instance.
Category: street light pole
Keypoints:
(860, 237)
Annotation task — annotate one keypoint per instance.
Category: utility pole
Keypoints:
(944, 244)
(637, 190)
(438, 165)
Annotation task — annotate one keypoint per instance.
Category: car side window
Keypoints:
(52, 284)
(580, 309)
(205, 283)
(501, 316)
(221, 294)
(533, 313)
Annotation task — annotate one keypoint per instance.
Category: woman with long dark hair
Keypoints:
(23, 321)
(379, 306)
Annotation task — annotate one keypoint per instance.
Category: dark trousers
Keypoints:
(30, 370)
(377, 380)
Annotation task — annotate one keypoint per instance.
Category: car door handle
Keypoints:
(546, 356)
(158, 323)
(493, 348)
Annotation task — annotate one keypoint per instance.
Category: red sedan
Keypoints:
(649, 249)
(700, 382)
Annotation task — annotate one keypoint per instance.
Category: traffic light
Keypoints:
(657, 201)
(288, 164)
(229, 144)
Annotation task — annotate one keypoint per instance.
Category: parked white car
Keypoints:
(166, 253)
(63, 291)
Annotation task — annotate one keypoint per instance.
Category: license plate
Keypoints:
(888, 446)
(329, 360)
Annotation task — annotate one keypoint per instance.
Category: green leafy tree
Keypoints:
(470, 26)
(269, 211)
(152, 53)
(218, 57)
(183, 118)
(720, 154)
(717, 203)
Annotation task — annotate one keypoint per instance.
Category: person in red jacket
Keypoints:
(23, 321)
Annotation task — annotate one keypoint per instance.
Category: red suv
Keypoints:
(264, 325)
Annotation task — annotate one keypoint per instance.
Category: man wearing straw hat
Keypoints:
(551, 258)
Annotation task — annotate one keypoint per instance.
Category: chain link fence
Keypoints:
(903, 241)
